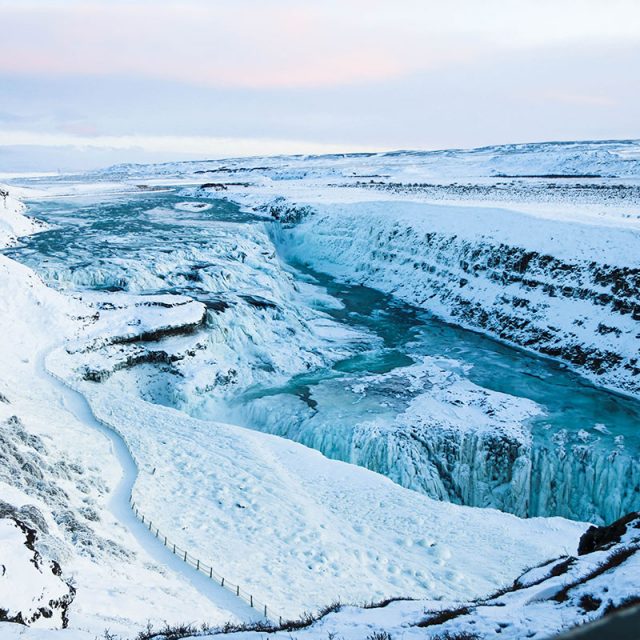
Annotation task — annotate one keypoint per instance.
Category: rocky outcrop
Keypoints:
(602, 538)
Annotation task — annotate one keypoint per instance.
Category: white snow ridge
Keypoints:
(371, 396)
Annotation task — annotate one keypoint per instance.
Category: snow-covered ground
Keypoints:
(267, 512)
(545, 600)
(64, 474)
(546, 263)
(279, 518)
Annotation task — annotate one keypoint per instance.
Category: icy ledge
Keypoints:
(453, 440)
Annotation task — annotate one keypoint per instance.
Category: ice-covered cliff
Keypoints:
(442, 435)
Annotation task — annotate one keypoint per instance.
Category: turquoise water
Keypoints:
(406, 333)
(585, 444)
(119, 232)
(123, 227)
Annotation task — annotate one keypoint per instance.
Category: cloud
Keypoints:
(246, 77)
(575, 99)
(281, 43)
(195, 146)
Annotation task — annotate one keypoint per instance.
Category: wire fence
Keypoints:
(183, 554)
(201, 566)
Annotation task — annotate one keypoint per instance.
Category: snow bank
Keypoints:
(31, 590)
(13, 222)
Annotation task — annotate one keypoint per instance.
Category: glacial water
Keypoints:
(583, 462)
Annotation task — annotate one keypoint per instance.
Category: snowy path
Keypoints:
(118, 504)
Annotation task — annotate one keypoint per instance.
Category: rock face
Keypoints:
(32, 591)
(599, 538)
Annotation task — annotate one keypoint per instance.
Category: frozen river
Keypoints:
(580, 456)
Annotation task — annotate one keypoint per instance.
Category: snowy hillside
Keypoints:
(320, 378)
(559, 594)
(72, 472)
(605, 159)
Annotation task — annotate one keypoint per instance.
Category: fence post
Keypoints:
(165, 541)
(222, 583)
(238, 591)
(265, 611)
(198, 565)
(174, 549)
(185, 556)
(142, 517)
(211, 572)
(251, 601)
(157, 532)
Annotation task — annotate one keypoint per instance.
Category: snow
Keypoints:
(28, 587)
(120, 583)
(532, 607)
(497, 226)
(264, 511)
(13, 222)
(307, 524)
(269, 512)
(293, 527)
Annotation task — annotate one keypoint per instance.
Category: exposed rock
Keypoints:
(162, 332)
(258, 302)
(601, 538)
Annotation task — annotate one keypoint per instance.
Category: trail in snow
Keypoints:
(119, 506)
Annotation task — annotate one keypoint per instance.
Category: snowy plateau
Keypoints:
(376, 396)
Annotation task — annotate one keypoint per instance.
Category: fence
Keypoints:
(186, 557)
(209, 571)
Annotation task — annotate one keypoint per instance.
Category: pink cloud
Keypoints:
(221, 44)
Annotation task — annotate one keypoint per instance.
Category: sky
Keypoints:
(87, 83)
